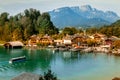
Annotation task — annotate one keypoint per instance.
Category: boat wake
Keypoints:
(4, 66)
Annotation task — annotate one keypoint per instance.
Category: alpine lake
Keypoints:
(65, 65)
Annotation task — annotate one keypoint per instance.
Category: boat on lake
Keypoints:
(17, 59)
(75, 49)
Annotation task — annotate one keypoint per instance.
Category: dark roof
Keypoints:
(27, 76)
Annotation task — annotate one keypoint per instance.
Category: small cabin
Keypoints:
(13, 44)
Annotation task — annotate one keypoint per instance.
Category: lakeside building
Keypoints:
(34, 40)
(14, 44)
(46, 40)
(79, 40)
(58, 42)
(110, 40)
(99, 38)
(67, 40)
(73, 40)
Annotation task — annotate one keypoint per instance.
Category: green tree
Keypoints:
(92, 30)
(50, 76)
(3, 18)
(45, 26)
(23, 25)
(6, 33)
(69, 30)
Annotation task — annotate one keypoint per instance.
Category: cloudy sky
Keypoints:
(16, 6)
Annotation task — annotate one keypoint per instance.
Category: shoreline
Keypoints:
(85, 50)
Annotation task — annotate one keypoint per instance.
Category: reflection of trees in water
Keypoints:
(41, 58)
(72, 57)
(3, 55)
(44, 59)
(116, 59)
(24, 66)
(14, 52)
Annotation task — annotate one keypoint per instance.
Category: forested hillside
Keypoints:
(110, 30)
(25, 24)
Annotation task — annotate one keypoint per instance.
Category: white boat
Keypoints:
(75, 49)
(17, 59)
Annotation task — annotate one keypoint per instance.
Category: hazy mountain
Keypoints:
(81, 16)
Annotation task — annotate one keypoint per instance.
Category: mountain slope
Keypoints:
(66, 17)
(81, 16)
(116, 24)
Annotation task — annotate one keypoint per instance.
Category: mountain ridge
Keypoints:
(81, 16)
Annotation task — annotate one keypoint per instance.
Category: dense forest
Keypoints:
(31, 21)
(23, 25)
(113, 29)
(109, 30)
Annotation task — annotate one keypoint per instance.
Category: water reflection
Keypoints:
(43, 59)
(67, 54)
(67, 65)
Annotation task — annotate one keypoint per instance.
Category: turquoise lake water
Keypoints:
(66, 65)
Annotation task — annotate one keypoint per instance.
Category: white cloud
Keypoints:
(45, 5)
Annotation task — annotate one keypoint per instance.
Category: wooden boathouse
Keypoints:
(13, 44)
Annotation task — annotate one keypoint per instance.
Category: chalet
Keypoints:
(14, 44)
(100, 38)
(46, 40)
(80, 40)
(34, 39)
(75, 40)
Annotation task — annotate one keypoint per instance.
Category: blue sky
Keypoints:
(16, 6)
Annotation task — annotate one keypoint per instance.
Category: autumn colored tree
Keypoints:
(23, 25)
(91, 42)
(116, 44)
(69, 31)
